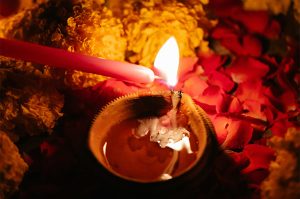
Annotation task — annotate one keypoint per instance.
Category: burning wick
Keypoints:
(176, 97)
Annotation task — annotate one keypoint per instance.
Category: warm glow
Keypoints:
(167, 61)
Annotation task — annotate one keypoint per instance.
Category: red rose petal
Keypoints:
(212, 95)
(286, 70)
(239, 158)
(224, 105)
(247, 68)
(254, 21)
(224, 32)
(289, 100)
(211, 62)
(272, 30)
(235, 106)
(221, 80)
(251, 90)
(239, 134)
(209, 109)
(254, 109)
(232, 134)
(187, 65)
(259, 156)
(234, 45)
(257, 176)
(220, 125)
(252, 46)
(247, 45)
(230, 104)
(194, 86)
(280, 127)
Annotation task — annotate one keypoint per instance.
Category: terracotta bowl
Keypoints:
(143, 105)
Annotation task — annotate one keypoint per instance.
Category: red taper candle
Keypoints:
(74, 61)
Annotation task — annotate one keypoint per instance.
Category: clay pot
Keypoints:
(143, 105)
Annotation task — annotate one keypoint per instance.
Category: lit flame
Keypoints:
(167, 61)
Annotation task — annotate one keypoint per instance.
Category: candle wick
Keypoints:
(176, 98)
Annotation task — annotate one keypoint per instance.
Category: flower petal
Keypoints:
(259, 156)
(219, 79)
(239, 134)
(247, 68)
(220, 125)
(187, 65)
(194, 86)
(239, 158)
(211, 62)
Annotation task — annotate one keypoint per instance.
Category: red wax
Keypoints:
(75, 61)
(141, 159)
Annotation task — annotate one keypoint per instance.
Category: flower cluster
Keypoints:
(249, 88)
(284, 178)
(12, 166)
(146, 33)
(30, 103)
(246, 84)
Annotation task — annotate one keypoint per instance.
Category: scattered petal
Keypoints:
(259, 156)
(220, 125)
(239, 158)
(211, 62)
(220, 79)
(247, 68)
(239, 134)
(187, 65)
(194, 86)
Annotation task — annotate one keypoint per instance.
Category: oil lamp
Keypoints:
(153, 142)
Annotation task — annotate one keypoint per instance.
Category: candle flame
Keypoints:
(167, 61)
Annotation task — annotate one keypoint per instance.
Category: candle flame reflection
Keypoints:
(167, 61)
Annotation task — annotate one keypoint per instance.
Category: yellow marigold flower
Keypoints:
(283, 180)
(94, 31)
(275, 6)
(12, 167)
(150, 27)
(80, 25)
(297, 10)
(29, 99)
